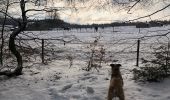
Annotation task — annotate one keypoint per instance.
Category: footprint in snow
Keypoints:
(55, 95)
(66, 87)
(90, 90)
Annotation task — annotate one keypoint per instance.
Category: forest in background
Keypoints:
(48, 24)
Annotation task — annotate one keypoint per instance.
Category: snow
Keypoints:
(57, 81)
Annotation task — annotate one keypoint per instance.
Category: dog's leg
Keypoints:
(121, 94)
(110, 93)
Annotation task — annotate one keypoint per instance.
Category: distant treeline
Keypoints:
(8, 22)
(48, 24)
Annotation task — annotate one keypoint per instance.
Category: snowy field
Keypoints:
(56, 81)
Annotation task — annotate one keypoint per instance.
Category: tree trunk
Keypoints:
(14, 51)
(12, 46)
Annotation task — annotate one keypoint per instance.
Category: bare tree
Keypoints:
(2, 33)
(53, 13)
(12, 46)
(21, 27)
(22, 23)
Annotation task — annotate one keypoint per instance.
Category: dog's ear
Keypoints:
(119, 65)
(115, 65)
(112, 65)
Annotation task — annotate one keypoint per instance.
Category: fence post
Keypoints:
(137, 58)
(139, 29)
(42, 52)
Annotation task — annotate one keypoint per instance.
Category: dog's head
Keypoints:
(115, 67)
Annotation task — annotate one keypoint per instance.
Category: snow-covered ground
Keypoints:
(56, 81)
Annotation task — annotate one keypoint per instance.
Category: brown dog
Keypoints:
(116, 83)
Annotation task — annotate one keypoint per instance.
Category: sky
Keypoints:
(101, 11)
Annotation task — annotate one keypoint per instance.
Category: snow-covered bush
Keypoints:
(155, 69)
(95, 56)
(149, 73)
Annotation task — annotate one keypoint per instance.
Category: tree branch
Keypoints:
(151, 13)
(133, 6)
(10, 17)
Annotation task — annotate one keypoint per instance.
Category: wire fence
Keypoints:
(128, 49)
(68, 44)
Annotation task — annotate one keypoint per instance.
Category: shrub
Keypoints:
(156, 69)
(95, 56)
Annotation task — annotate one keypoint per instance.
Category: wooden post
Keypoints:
(42, 52)
(137, 58)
